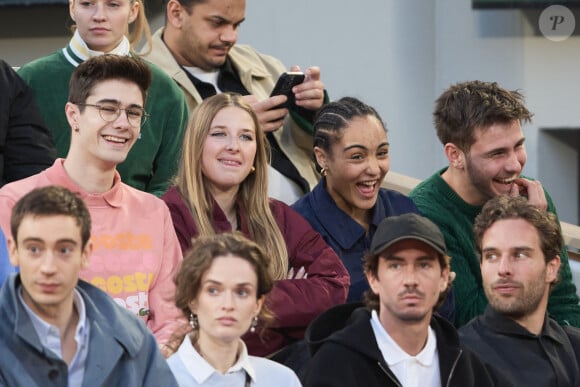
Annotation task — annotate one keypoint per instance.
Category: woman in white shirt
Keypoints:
(221, 289)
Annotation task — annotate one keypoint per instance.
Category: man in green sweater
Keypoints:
(479, 125)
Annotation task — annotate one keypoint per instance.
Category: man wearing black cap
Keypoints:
(396, 340)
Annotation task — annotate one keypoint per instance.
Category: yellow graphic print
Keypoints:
(123, 241)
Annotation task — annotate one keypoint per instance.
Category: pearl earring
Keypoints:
(254, 324)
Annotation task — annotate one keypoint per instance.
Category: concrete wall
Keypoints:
(398, 56)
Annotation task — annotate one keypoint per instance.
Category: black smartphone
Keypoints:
(285, 84)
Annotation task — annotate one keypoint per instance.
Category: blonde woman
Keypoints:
(103, 27)
(222, 186)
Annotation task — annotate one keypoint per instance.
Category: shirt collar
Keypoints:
(201, 370)
(393, 353)
(43, 329)
(338, 223)
(77, 50)
(499, 323)
(113, 197)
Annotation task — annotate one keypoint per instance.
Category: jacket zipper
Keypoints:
(453, 368)
(389, 375)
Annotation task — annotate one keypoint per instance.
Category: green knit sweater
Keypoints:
(438, 202)
(152, 161)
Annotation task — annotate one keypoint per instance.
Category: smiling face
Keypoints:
(50, 255)
(103, 23)
(516, 277)
(95, 140)
(229, 150)
(356, 165)
(408, 281)
(494, 161)
(227, 301)
(203, 37)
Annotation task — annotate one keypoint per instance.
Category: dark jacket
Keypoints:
(295, 303)
(122, 352)
(345, 353)
(549, 359)
(26, 145)
(348, 238)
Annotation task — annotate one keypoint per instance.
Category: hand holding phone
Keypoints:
(284, 86)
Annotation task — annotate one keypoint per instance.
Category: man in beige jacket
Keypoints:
(197, 48)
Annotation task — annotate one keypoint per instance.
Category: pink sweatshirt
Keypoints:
(136, 253)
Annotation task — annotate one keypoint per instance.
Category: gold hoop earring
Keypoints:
(323, 172)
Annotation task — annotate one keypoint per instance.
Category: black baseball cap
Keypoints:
(407, 226)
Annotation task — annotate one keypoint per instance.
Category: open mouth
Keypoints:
(115, 139)
(230, 163)
(506, 181)
(367, 188)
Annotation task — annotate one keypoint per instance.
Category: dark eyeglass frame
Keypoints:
(101, 108)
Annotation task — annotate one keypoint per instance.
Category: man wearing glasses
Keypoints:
(136, 252)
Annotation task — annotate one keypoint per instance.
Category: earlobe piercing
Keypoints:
(193, 321)
(254, 324)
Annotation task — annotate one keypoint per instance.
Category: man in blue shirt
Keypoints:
(55, 328)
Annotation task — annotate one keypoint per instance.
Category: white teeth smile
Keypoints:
(230, 162)
(369, 183)
(115, 139)
(506, 181)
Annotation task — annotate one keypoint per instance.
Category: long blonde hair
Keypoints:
(140, 29)
(253, 192)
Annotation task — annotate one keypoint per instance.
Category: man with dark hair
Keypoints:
(197, 48)
(479, 125)
(55, 329)
(26, 144)
(396, 340)
(519, 246)
(136, 249)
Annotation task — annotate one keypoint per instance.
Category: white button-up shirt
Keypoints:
(191, 369)
(412, 371)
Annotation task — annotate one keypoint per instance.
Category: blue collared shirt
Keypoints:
(49, 336)
(349, 239)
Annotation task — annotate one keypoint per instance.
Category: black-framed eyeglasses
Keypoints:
(110, 112)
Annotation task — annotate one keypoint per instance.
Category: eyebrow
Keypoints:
(64, 240)
(359, 146)
(515, 248)
(222, 19)
(226, 127)
(503, 149)
(117, 102)
(214, 282)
